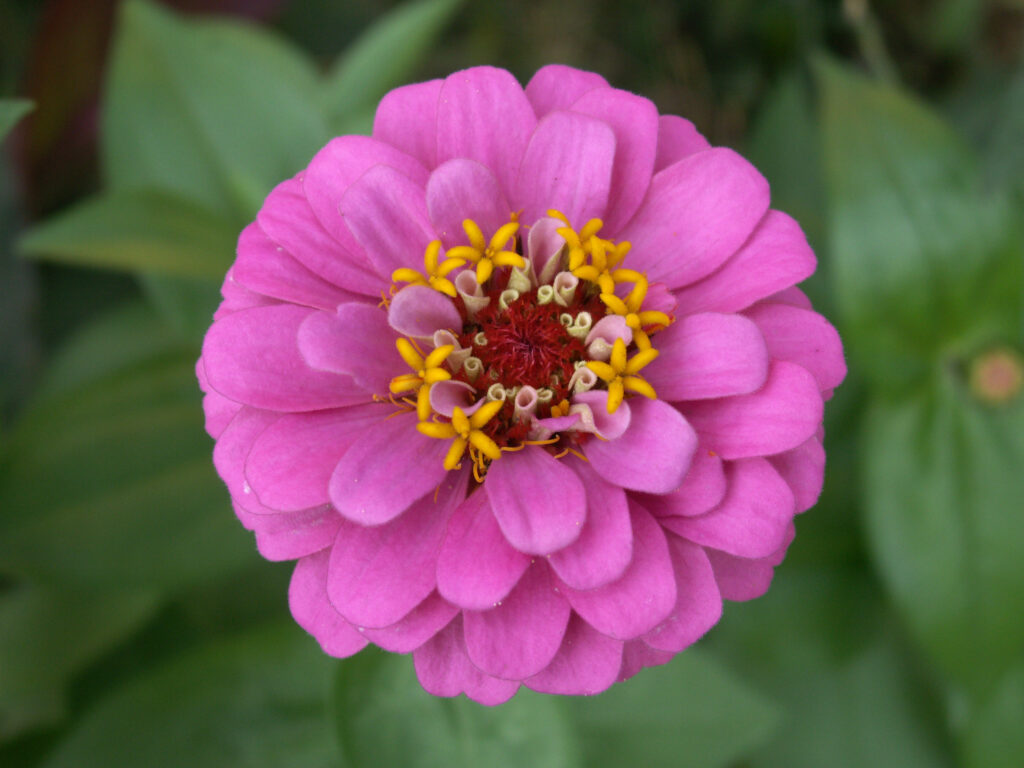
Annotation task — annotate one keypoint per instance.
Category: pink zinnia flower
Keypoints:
(522, 382)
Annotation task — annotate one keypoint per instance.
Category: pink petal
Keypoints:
(289, 221)
(265, 267)
(634, 120)
(417, 627)
(444, 669)
(387, 214)
(645, 594)
(742, 579)
(464, 576)
(387, 470)
(291, 535)
(677, 139)
(356, 342)
(697, 213)
(484, 115)
(653, 455)
(539, 503)
(702, 490)
(610, 426)
(231, 450)
(782, 414)
(463, 189)
(792, 296)
(291, 462)
(238, 297)
(519, 637)
(252, 357)
(708, 355)
(587, 663)
(379, 574)
(217, 409)
(803, 469)
(802, 337)
(407, 119)
(307, 597)
(568, 167)
(637, 655)
(698, 603)
(774, 258)
(753, 518)
(605, 546)
(446, 396)
(336, 167)
(417, 310)
(557, 86)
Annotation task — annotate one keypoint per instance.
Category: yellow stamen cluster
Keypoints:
(620, 374)
(630, 307)
(488, 255)
(604, 255)
(427, 372)
(467, 432)
(434, 275)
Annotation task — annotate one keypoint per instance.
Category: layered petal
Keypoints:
(464, 576)
(289, 535)
(774, 258)
(406, 118)
(698, 601)
(652, 455)
(519, 637)
(557, 86)
(752, 519)
(803, 337)
(356, 341)
(697, 213)
(677, 138)
(587, 663)
(702, 490)
(644, 595)
(388, 469)
(377, 575)
(568, 167)
(444, 669)
(604, 548)
(539, 503)
(781, 415)
(463, 189)
(484, 115)
(307, 598)
(415, 628)
(252, 357)
(708, 355)
(417, 310)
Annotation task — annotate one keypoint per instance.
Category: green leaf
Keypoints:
(1004, 156)
(253, 701)
(926, 265)
(943, 490)
(138, 230)
(384, 57)
(11, 111)
(691, 712)
(384, 717)
(123, 337)
(865, 713)
(46, 636)
(994, 737)
(112, 484)
(216, 113)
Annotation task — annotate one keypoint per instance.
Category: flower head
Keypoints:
(546, 459)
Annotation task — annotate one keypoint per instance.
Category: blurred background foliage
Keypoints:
(138, 627)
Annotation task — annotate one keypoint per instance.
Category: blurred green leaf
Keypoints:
(994, 737)
(111, 484)
(135, 230)
(122, 337)
(252, 701)
(943, 488)
(11, 111)
(690, 713)
(864, 713)
(383, 58)
(46, 636)
(384, 717)
(216, 113)
(1004, 153)
(925, 264)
